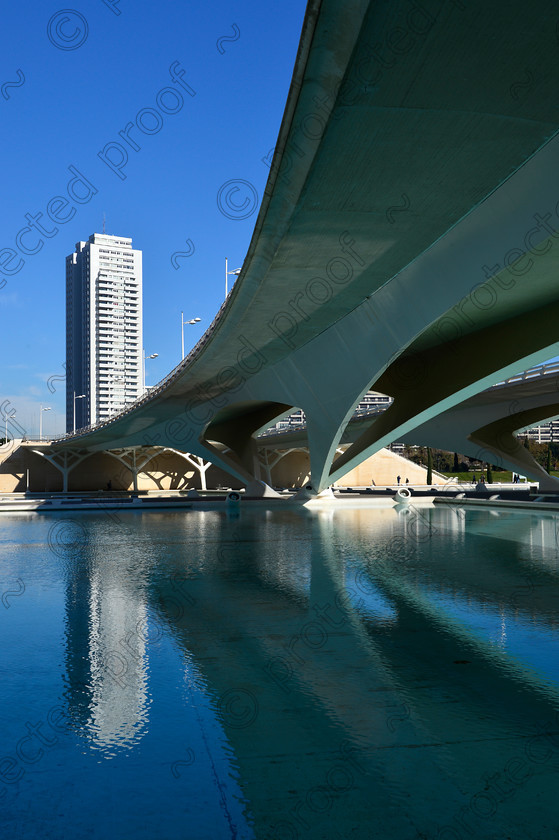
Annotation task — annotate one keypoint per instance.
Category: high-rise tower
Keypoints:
(103, 329)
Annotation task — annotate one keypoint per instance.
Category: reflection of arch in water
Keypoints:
(517, 566)
(511, 558)
(298, 667)
(346, 660)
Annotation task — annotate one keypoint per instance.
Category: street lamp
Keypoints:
(79, 397)
(153, 356)
(227, 273)
(46, 408)
(183, 322)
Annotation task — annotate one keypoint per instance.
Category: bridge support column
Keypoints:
(134, 472)
(265, 463)
(199, 465)
(64, 461)
(129, 458)
(322, 447)
(499, 445)
(268, 464)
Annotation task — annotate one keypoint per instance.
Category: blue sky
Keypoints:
(70, 81)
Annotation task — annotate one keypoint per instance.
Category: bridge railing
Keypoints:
(157, 389)
(531, 373)
(301, 427)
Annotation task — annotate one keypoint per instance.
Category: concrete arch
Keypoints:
(343, 286)
(453, 371)
(236, 426)
(136, 460)
(64, 461)
(484, 426)
(271, 459)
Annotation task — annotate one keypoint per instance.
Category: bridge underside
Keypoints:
(482, 427)
(406, 243)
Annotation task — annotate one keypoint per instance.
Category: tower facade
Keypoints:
(103, 329)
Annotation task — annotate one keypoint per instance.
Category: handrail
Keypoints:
(301, 427)
(531, 373)
(174, 374)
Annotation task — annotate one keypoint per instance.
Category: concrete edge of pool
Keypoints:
(57, 503)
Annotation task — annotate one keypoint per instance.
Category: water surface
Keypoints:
(361, 673)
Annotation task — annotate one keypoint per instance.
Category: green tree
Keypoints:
(455, 466)
(548, 462)
(429, 466)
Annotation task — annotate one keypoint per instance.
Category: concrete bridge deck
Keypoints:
(406, 240)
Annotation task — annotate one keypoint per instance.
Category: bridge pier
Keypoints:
(64, 460)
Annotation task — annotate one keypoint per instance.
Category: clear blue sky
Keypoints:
(69, 84)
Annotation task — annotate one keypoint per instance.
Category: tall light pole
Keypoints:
(183, 322)
(79, 397)
(46, 408)
(153, 356)
(227, 273)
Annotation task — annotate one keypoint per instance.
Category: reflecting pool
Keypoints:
(349, 672)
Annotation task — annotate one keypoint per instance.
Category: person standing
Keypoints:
(398, 478)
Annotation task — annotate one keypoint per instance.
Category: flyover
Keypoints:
(481, 427)
(406, 242)
(484, 425)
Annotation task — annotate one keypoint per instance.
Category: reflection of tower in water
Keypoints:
(106, 659)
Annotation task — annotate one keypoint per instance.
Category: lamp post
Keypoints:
(183, 322)
(79, 397)
(227, 273)
(46, 408)
(152, 356)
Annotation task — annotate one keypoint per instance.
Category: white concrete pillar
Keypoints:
(134, 472)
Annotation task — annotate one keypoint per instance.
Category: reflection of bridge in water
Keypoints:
(406, 241)
(337, 682)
